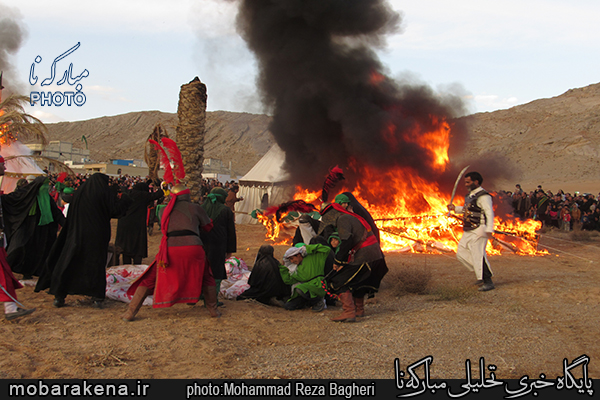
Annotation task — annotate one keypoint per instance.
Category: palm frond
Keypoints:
(16, 124)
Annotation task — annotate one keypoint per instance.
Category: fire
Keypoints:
(417, 221)
(376, 78)
(411, 212)
(5, 135)
(277, 232)
(431, 231)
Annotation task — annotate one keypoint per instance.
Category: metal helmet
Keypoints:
(180, 187)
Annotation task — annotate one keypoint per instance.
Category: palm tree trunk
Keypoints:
(191, 111)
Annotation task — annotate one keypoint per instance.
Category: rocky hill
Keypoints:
(553, 142)
(241, 138)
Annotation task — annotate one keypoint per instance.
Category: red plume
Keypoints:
(335, 175)
(296, 205)
(175, 156)
(61, 177)
(164, 160)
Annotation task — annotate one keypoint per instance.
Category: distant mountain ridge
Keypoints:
(241, 138)
(554, 142)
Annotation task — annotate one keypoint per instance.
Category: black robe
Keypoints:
(358, 209)
(265, 280)
(28, 244)
(220, 240)
(132, 235)
(362, 274)
(77, 261)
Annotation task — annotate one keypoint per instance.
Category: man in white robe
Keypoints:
(478, 227)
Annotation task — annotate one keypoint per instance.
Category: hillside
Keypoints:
(241, 138)
(554, 142)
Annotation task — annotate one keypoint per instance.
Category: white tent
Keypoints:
(17, 168)
(268, 178)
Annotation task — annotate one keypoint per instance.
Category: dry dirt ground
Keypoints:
(544, 309)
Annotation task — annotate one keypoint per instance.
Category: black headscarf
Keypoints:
(265, 280)
(362, 212)
(77, 261)
(215, 202)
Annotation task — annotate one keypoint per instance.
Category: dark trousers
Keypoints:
(301, 301)
(487, 274)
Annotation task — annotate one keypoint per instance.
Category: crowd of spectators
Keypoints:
(209, 184)
(560, 210)
(126, 182)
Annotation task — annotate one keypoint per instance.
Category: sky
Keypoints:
(138, 53)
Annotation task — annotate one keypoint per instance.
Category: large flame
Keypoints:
(410, 212)
(6, 136)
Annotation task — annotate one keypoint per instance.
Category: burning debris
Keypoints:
(432, 233)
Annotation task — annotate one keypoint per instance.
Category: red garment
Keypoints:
(180, 269)
(7, 279)
(181, 281)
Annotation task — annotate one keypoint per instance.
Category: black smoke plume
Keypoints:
(331, 100)
(12, 37)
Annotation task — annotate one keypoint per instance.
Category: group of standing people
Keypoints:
(72, 261)
(560, 210)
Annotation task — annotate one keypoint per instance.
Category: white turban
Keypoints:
(292, 251)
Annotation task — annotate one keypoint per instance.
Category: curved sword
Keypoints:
(456, 184)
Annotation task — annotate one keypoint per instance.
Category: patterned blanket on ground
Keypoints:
(118, 280)
(237, 278)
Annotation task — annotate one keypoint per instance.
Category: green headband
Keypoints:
(342, 198)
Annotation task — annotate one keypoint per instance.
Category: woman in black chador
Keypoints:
(77, 261)
(132, 236)
(221, 241)
(266, 284)
(31, 219)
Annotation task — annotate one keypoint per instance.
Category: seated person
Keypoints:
(334, 242)
(304, 270)
(266, 284)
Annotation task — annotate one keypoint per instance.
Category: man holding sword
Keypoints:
(478, 227)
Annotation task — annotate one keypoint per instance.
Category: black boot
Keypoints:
(487, 278)
(58, 301)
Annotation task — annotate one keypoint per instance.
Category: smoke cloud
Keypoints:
(331, 101)
(12, 37)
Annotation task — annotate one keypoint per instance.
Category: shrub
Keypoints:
(411, 279)
(581, 236)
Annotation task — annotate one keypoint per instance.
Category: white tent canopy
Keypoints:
(17, 168)
(266, 177)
